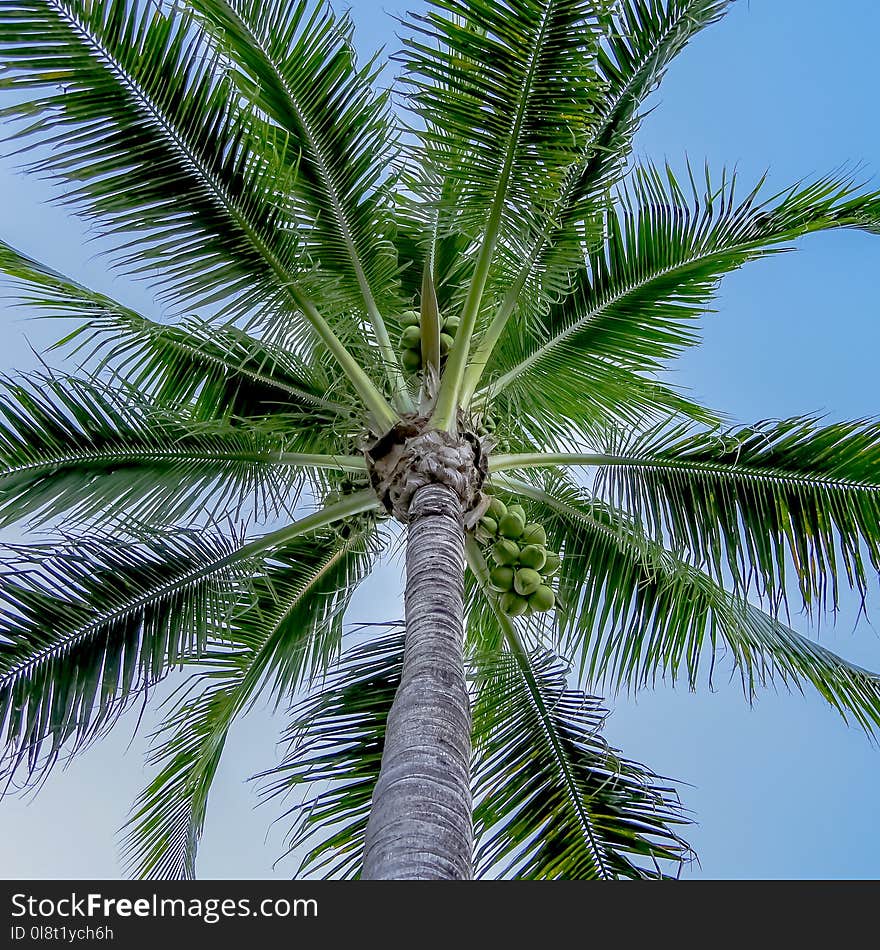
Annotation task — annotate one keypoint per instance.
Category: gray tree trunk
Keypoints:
(420, 825)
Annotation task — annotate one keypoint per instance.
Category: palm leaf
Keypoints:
(295, 59)
(636, 304)
(230, 371)
(634, 612)
(290, 630)
(88, 624)
(335, 743)
(757, 503)
(553, 799)
(90, 451)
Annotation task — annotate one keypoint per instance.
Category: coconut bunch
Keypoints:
(523, 565)
(411, 339)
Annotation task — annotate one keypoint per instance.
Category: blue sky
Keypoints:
(779, 789)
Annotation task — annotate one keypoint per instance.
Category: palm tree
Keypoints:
(432, 321)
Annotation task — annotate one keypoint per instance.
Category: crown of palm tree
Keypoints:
(292, 215)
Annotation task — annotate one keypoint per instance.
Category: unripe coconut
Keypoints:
(446, 342)
(490, 524)
(505, 551)
(511, 525)
(519, 511)
(534, 534)
(501, 578)
(526, 581)
(412, 360)
(551, 565)
(513, 605)
(410, 318)
(451, 324)
(411, 336)
(542, 599)
(497, 509)
(533, 556)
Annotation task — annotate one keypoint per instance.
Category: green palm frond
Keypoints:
(639, 40)
(636, 304)
(90, 450)
(335, 743)
(145, 135)
(504, 93)
(633, 612)
(289, 631)
(295, 60)
(231, 372)
(552, 799)
(87, 624)
(145, 132)
(757, 504)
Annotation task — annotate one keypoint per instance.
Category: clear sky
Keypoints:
(781, 789)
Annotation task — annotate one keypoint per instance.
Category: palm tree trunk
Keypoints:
(420, 826)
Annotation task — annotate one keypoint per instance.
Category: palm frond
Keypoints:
(552, 799)
(633, 612)
(639, 40)
(758, 504)
(87, 624)
(89, 450)
(296, 61)
(288, 632)
(143, 132)
(335, 743)
(231, 372)
(636, 303)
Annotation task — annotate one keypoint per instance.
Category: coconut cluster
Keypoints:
(523, 565)
(411, 339)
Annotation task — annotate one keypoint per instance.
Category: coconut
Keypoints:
(533, 556)
(542, 599)
(412, 360)
(513, 605)
(410, 318)
(501, 578)
(451, 324)
(505, 551)
(519, 511)
(511, 525)
(551, 564)
(534, 534)
(446, 342)
(490, 524)
(411, 336)
(526, 581)
(497, 509)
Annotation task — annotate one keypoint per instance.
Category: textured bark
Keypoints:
(420, 826)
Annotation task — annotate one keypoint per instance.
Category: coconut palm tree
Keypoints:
(439, 316)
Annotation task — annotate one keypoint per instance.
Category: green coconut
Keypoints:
(533, 556)
(446, 342)
(412, 360)
(526, 581)
(551, 564)
(534, 534)
(497, 509)
(501, 578)
(411, 336)
(519, 511)
(451, 324)
(489, 523)
(511, 525)
(542, 599)
(505, 551)
(410, 318)
(514, 605)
